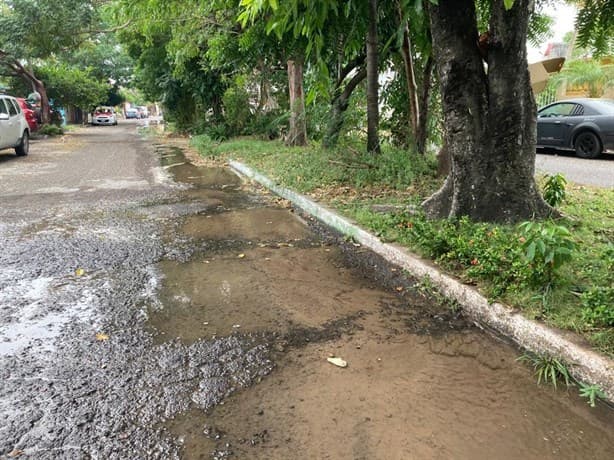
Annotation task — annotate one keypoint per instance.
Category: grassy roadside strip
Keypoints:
(570, 291)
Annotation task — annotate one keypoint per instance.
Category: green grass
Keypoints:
(575, 294)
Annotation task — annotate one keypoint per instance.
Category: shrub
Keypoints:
(204, 144)
(269, 125)
(598, 306)
(547, 246)
(236, 110)
(51, 130)
(554, 189)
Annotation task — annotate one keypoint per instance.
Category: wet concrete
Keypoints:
(192, 318)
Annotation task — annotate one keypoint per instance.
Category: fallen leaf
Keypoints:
(101, 336)
(241, 256)
(15, 453)
(79, 272)
(337, 361)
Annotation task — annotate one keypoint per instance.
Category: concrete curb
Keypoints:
(585, 364)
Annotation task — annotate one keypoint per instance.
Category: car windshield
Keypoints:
(604, 106)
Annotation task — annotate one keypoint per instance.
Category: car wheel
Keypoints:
(587, 145)
(24, 146)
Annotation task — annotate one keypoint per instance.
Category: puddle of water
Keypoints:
(400, 399)
(264, 224)
(263, 289)
(221, 178)
(35, 324)
(456, 394)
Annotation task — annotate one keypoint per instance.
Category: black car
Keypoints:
(583, 125)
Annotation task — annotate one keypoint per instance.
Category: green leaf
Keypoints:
(541, 246)
(508, 4)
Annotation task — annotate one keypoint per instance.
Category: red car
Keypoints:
(29, 114)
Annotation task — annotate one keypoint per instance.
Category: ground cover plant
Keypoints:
(557, 270)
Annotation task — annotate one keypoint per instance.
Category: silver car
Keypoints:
(104, 116)
(583, 125)
(14, 130)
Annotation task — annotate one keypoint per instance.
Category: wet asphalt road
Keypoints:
(598, 172)
(84, 219)
(142, 298)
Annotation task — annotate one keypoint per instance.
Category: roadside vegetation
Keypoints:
(557, 270)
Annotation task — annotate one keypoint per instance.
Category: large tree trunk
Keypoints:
(297, 134)
(372, 83)
(489, 116)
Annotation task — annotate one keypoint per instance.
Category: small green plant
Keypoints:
(598, 306)
(547, 246)
(552, 370)
(554, 189)
(204, 144)
(591, 392)
(547, 368)
(50, 130)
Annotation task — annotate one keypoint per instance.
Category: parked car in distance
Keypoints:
(143, 112)
(132, 113)
(104, 116)
(583, 125)
(29, 113)
(14, 129)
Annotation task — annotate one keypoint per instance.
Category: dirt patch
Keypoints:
(402, 396)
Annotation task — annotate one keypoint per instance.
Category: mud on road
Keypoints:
(152, 308)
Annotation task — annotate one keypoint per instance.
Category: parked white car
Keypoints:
(104, 116)
(14, 130)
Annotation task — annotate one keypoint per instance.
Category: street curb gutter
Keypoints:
(584, 364)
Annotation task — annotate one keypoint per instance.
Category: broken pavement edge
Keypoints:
(585, 364)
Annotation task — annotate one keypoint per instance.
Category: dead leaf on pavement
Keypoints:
(79, 272)
(15, 453)
(101, 336)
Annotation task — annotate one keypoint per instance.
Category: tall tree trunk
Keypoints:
(425, 95)
(372, 83)
(410, 76)
(339, 105)
(297, 134)
(489, 117)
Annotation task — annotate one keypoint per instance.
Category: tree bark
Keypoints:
(339, 106)
(425, 96)
(372, 82)
(297, 134)
(410, 76)
(489, 116)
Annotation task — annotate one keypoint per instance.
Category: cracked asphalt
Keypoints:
(85, 218)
